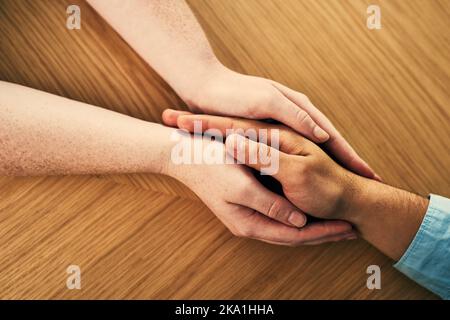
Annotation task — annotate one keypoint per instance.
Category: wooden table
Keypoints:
(147, 236)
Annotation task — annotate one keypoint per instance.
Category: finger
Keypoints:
(272, 205)
(319, 232)
(289, 141)
(223, 124)
(170, 116)
(255, 155)
(341, 237)
(256, 226)
(298, 119)
(337, 145)
(351, 235)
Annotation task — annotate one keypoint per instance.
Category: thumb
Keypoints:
(170, 116)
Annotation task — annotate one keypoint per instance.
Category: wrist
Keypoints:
(195, 78)
(370, 197)
(178, 143)
(356, 196)
(385, 216)
(159, 143)
(195, 84)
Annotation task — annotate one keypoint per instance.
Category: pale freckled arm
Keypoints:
(166, 34)
(44, 134)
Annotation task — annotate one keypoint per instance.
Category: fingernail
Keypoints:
(297, 219)
(320, 134)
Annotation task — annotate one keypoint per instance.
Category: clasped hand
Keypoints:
(313, 184)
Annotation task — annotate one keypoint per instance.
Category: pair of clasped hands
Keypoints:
(313, 183)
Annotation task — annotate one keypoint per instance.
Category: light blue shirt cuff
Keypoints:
(427, 259)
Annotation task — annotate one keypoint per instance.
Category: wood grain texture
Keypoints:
(147, 236)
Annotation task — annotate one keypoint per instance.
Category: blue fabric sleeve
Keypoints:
(427, 259)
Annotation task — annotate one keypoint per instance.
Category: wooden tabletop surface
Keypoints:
(147, 236)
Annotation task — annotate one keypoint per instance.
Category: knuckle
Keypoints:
(244, 231)
(236, 229)
(254, 110)
(269, 97)
(262, 103)
(304, 98)
(302, 117)
(247, 188)
(296, 148)
(275, 210)
(235, 232)
(293, 143)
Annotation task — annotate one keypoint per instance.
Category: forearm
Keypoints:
(166, 35)
(385, 216)
(42, 134)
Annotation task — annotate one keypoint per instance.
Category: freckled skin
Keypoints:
(166, 34)
(43, 134)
